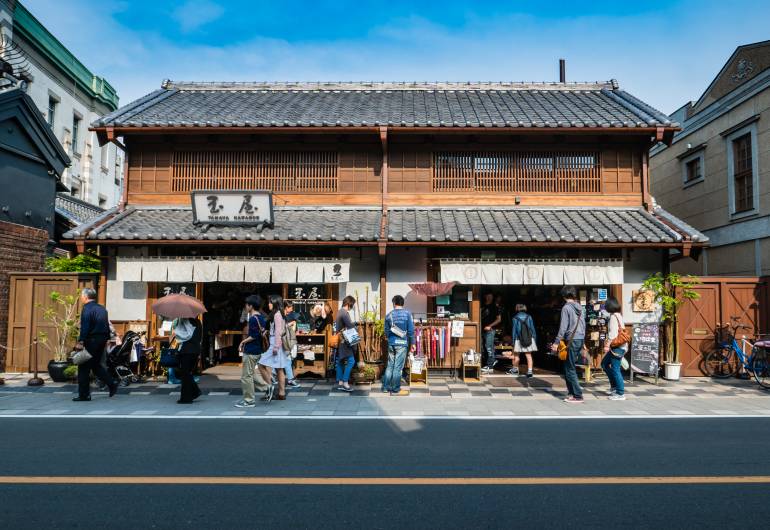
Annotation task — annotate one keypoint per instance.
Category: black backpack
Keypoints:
(525, 335)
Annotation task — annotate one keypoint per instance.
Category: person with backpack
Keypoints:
(252, 348)
(615, 347)
(572, 330)
(524, 338)
(399, 330)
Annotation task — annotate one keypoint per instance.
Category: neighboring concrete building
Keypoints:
(716, 174)
(69, 97)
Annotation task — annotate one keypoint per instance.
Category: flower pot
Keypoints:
(671, 371)
(56, 371)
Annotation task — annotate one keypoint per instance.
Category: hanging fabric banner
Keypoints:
(310, 272)
(257, 272)
(284, 272)
(614, 274)
(491, 274)
(155, 271)
(336, 271)
(231, 271)
(594, 275)
(513, 273)
(573, 274)
(533, 274)
(553, 274)
(128, 270)
(180, 271)
(205, 271)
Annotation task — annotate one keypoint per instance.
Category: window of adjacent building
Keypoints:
(743, 171)
(102, 201)
(692, 169)
(117, 170)
(76, 133)
(104, 155)
(75, 190)
(52, 104)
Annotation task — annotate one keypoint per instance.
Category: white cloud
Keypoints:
(194, 14)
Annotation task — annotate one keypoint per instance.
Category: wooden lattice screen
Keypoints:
(292, 171)
(517, 172)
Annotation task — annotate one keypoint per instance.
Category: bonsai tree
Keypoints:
(670, 291)
(62, 313)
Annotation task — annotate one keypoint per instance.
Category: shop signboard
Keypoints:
(644, 348)
(232, 207)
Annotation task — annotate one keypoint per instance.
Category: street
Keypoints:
(682, 472)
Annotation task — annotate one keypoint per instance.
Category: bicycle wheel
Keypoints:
(721, 363)
(760, 365)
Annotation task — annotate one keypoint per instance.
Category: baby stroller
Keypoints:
(119, 359)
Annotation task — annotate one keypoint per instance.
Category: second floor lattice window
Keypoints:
(287, 171)
(517, 172)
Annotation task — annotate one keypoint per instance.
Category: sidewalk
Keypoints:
(496, 396)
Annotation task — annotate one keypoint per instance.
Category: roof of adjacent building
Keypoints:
(409, 224)
(562, 105)
(74, 210)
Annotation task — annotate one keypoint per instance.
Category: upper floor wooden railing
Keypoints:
(286, 171)
(517, 172)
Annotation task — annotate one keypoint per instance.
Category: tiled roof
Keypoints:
(525, 224)
(75, 210)
(361, 224)
(310, 224)
(387, 104)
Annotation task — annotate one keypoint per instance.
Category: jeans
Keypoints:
(343, 366)
(570, 371)
(611, 366)
(488, 344)
(391, 381)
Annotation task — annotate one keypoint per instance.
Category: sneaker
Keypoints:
(513, 371)
(573, 399)
(346, 388)
(293, 384)
(530, 374)
(400, 393)
(617, 397)
(486, 370)
(245, 404)
(610, 392)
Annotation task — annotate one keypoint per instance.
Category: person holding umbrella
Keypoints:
(188, 333)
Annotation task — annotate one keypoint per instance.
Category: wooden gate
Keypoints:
(29, 295)
(720, 299)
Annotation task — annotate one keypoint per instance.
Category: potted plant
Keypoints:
(71, 373)
(62, 313)
(670, 292)
(365, 374)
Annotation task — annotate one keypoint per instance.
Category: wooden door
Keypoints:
(742, 300)
(20, 303)
(698, 321)
(42, 295)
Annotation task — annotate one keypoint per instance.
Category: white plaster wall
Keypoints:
(405, 266)
(125, 300)
(364, 274)
(642, 264)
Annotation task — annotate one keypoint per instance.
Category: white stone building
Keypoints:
(69, 97)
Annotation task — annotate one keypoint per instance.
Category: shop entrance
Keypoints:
(544, 303)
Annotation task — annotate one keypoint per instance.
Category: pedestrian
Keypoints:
(291, 331)
(524, 338)
(572, 330)
(251, 348)
(346, 353)
(275, 356)
(321, 317)
(189, 336)
(94, 334)
(615, 347)
(399, 330)
(490, 319)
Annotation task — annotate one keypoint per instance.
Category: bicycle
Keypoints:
(729, 356)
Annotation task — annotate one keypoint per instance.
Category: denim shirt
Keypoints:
(402, 319)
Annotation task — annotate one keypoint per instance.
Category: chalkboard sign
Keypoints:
(644, 348)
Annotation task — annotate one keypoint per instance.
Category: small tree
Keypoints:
(62, 313)
(671, 290)
(86, 262)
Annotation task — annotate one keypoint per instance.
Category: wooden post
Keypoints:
(383, 282)
(102, 290)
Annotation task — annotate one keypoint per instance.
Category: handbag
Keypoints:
(351, 336)
(334, 340)
(169, 358)
(81, 357)
(622, 337)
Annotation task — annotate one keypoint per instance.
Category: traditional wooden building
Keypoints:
(515, 189)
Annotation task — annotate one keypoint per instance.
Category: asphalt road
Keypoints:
(494, 451)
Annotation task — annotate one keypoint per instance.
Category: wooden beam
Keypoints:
(384, 172)
(102, 291)
(646, 199)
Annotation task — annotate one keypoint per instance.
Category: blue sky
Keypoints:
(663, 52)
